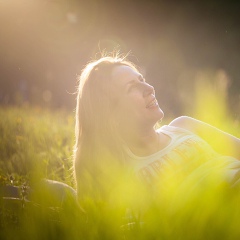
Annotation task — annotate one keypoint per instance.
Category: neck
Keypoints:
(141, 141)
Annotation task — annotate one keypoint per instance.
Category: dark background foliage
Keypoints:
(45, 43)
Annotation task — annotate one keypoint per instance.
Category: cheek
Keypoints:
(131, 105)
(125, 109)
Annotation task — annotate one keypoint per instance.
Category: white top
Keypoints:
(186, 153)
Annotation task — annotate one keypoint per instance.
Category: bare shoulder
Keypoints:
(198, 127)
(179, 121)
(186, 122)
(214, 136)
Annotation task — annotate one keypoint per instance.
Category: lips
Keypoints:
(152, 104)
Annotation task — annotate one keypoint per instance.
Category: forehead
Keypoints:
(123, 74)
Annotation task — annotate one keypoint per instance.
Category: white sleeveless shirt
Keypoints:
(186, 153)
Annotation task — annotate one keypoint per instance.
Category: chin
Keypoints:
(160, 114)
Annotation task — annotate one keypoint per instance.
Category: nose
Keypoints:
(148, 89)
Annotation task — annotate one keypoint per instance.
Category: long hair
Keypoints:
(98, 149)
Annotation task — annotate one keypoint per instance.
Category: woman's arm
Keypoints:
(222, 142)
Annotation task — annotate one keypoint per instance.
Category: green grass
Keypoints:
(37, 143)
(33, 139)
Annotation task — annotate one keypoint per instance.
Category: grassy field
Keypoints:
(37, 144)
(33, 138)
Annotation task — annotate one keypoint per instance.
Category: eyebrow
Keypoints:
(141, 77)
(132, 82)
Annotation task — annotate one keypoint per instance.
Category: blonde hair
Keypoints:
(97, 140)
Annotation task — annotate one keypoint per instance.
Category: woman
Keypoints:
(116, 116)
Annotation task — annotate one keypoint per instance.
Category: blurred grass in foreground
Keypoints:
(36, 142)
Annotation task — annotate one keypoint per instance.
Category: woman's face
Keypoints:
(136, 102)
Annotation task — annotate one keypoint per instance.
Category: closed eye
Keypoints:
(132, 85)
(135, 83)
